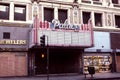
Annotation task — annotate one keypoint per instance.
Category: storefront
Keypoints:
(115, 45)
(100, 56)
(13, 63)
(66, 43)
(13, 51)
(101, 62)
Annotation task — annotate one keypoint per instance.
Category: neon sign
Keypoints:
(65, 26)
(56, 25)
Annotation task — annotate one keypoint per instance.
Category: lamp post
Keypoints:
(47, 63)
(47, 47)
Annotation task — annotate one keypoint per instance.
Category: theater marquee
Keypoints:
(62, 34)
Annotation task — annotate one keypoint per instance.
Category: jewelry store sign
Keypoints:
(13, 42)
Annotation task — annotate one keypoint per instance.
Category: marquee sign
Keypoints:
(62, 34)
(64, 26)
(56, 25)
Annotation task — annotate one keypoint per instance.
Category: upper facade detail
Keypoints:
(105, 14)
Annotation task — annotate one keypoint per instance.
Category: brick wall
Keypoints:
(12, 64)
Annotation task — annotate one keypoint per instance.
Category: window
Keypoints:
(100, 61)
(6, 35)
(48, 14)
(98, 2)
(115, 1)
(117, 21)
(98, 19)
(4, 11)
(86, 1)
(20, 13)
(62, 15)
(86, 17)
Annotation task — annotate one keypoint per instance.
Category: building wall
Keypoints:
(106, 8)
(12, 4)
(16, 33)
(13, 52)
(13, 64)
(13, 56)
(99, 55)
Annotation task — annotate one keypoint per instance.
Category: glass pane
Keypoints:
(20, 13)
(4, 11)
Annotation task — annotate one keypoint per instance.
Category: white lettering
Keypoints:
(65, 25)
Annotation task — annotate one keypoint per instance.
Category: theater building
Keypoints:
(78, 34)
(63, 50)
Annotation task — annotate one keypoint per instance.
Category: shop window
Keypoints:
(86, 17)
(20, 13)
(117, 21)
(4, 11)
(48, 14)
(98, 19)
(62, 15)
(6, 35)
(101, 63)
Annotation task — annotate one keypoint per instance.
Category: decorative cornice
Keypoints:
(14, 24)
(75, 5)
(35, 1)
(55, 2)
(106, 30)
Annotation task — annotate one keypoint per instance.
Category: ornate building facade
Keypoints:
(73, 44)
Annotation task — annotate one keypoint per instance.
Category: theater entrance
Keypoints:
(40, 63)
(61, 60)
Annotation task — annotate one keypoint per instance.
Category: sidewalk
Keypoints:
(97, 76)
(104, 76)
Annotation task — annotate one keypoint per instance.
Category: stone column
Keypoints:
(11, 12)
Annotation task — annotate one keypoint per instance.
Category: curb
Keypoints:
(103, 78)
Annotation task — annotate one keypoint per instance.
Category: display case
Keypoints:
(101, 63)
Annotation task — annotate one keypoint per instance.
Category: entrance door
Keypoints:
(40, 63)
(64, 61)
